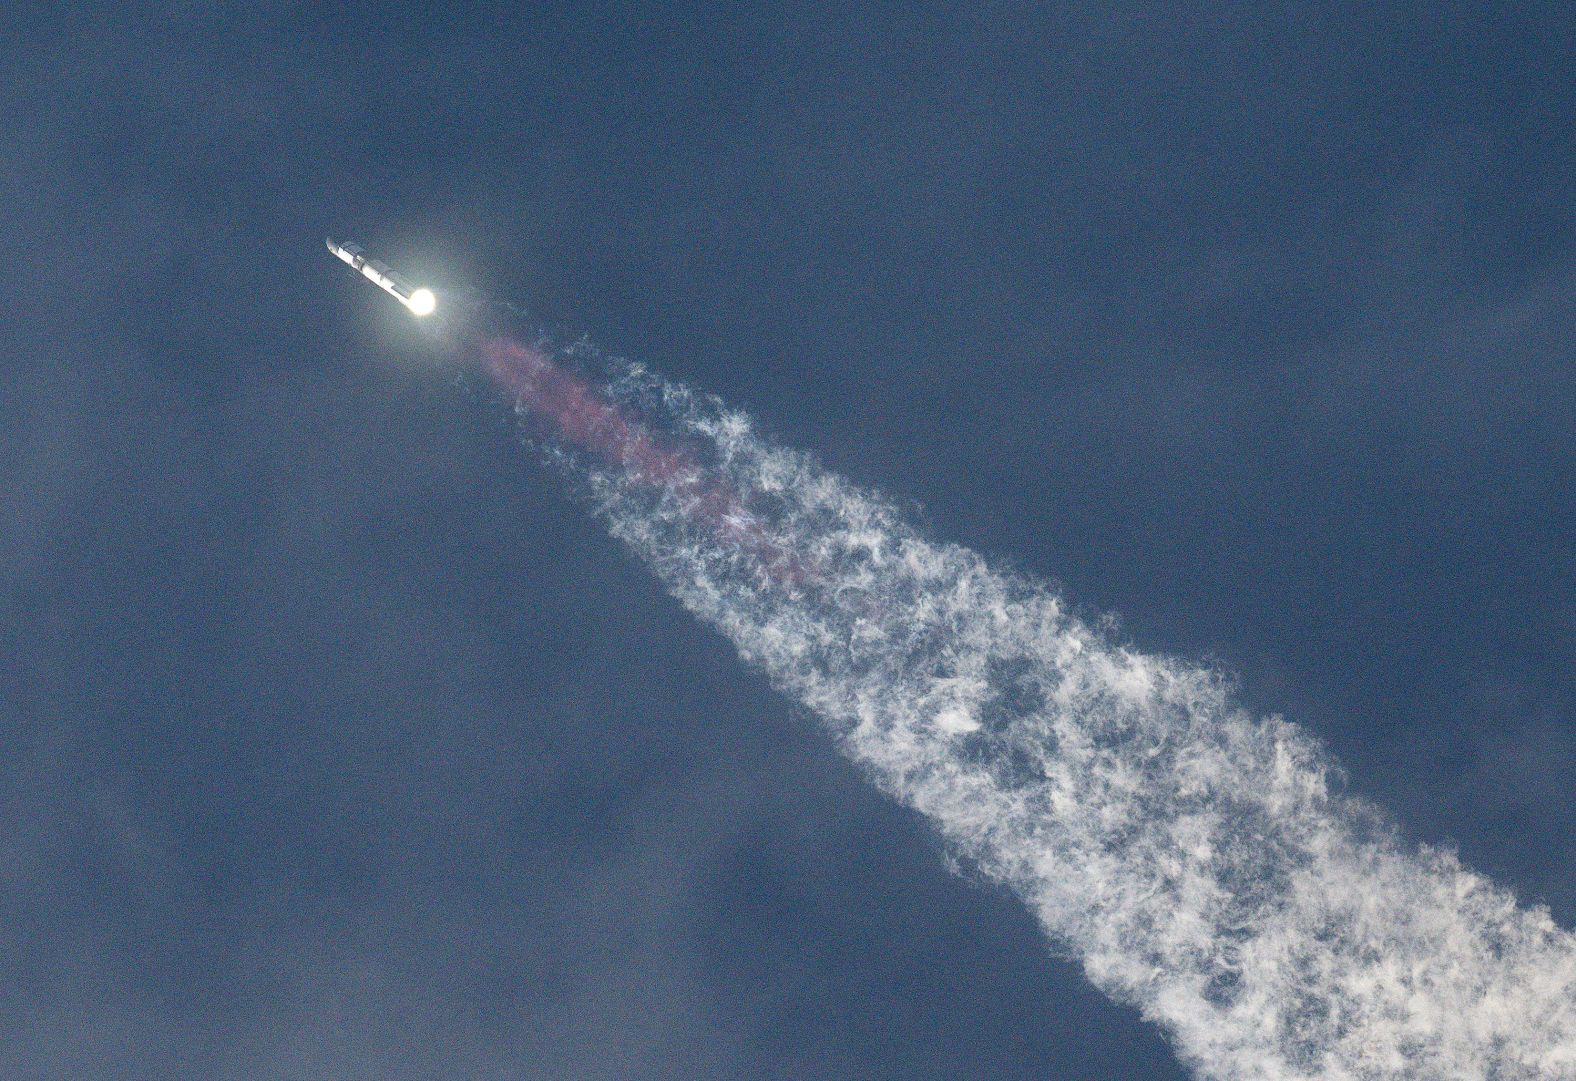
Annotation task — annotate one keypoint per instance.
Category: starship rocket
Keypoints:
(420, 301)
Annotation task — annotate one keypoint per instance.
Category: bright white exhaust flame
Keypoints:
(422, 302)
(1192, 857)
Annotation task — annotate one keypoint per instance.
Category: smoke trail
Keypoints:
(1192, 857)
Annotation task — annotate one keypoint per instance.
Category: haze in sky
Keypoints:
(344, 744)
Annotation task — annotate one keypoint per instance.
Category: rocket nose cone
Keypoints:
(331, 245)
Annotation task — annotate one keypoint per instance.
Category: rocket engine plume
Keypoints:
(1193, 858)
(581, 417)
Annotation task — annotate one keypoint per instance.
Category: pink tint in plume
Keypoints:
(577, 414)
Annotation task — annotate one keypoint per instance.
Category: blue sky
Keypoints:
(343, 744)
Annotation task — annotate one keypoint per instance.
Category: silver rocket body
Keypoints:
(420, 301)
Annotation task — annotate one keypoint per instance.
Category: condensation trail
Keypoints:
(1193, 858)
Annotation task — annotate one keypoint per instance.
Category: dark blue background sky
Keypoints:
(339, 744)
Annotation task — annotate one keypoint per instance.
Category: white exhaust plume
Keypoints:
(1193, 858)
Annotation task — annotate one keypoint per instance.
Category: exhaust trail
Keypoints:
(1191, 857)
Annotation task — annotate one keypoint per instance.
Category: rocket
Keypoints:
(419, 301)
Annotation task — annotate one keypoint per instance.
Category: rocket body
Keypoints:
(420, 301)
